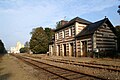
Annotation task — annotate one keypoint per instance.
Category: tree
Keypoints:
(49, 32)
(39, 41)
(27, 47)
(26, 44)
(2, 48)
(118, 35)
(61, 23)
(119, 9)
(58, 25)
(24, 50)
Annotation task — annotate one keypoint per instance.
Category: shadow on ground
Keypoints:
(1, 55)
(5, 76)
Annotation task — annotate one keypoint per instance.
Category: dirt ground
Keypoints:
(13, 69)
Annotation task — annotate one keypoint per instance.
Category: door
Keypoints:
(64, 46)
(58, 50)
(71, 49)
(84, 48)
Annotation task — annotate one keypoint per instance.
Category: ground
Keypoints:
(13, 69)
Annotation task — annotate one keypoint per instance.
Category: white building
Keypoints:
(17, 48)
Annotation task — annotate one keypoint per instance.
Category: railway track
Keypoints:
(86, 64)
(62, 73)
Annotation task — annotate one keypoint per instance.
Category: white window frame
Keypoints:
(63, 33)
(70, 31)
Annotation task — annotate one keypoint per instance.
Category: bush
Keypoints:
(24, 50)
(109, 54)
(90, 54)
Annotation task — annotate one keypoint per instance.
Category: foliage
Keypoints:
(109, 54)
(27, 47)
(49, 32)
(90, 54)
(118, 29)
(2, 48)
(39, 41)
(61, 23)
(26, 44)
(24, 50)
(119, 9)
(58, 25)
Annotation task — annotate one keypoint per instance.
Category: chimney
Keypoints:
(63, 22)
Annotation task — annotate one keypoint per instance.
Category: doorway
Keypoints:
(58, 50)
(84, 48)
(64, 47)
(71, 49)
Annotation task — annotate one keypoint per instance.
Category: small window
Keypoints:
(105, 26)
(70, 31)
(63, 34)
(105, 35)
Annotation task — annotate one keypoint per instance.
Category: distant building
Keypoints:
(17, 48)
(12, 50)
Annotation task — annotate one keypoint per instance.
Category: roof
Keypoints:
(80, 20)
(76, 19)
(90, 29)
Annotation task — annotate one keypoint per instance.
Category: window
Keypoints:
(105, 26)
(70, 31)
(57, 35)
(63, 34)
(105, 35)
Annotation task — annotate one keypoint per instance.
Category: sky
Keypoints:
(19, 17)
